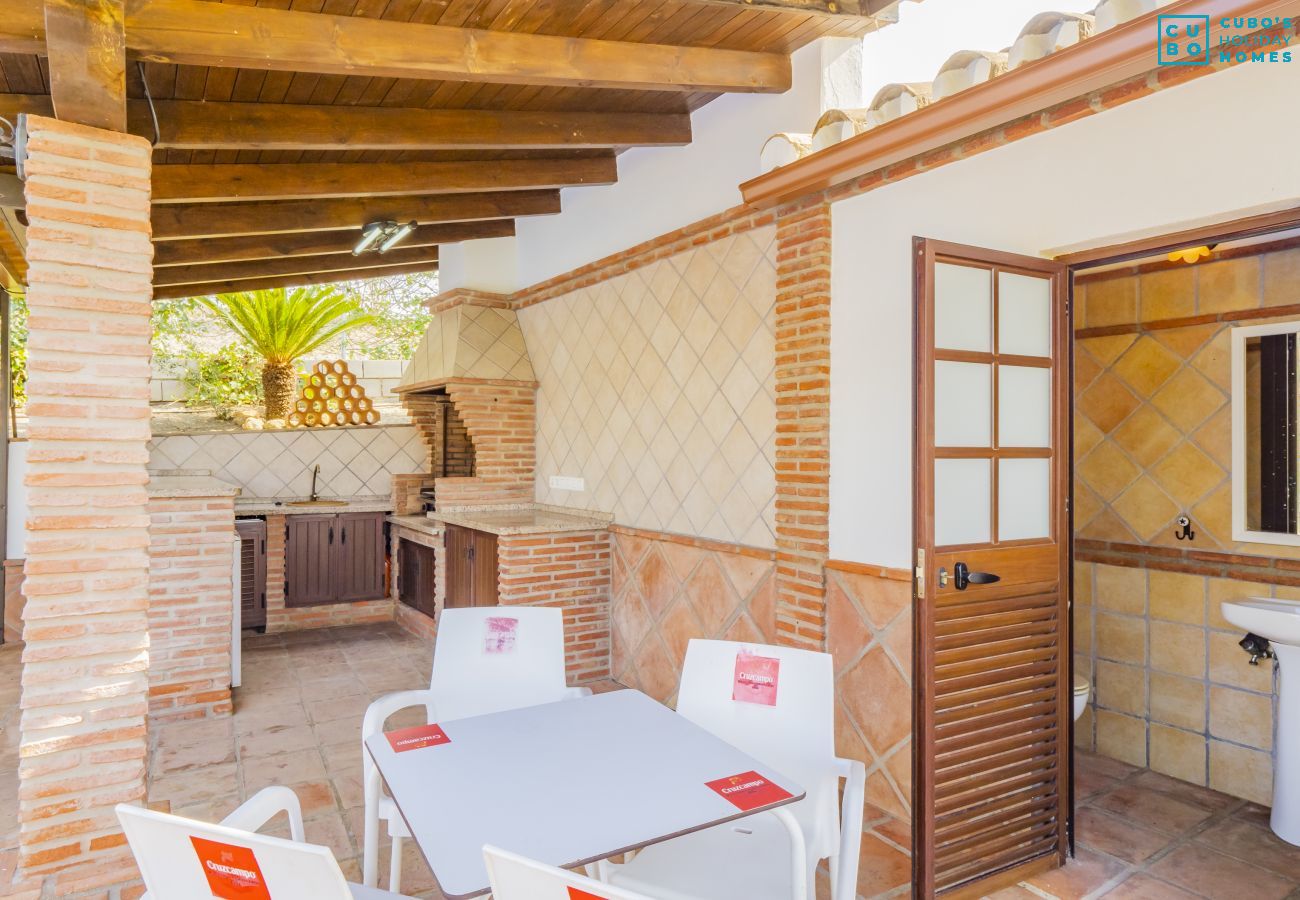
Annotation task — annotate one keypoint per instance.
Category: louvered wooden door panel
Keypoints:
(252, 572)
(992, 718)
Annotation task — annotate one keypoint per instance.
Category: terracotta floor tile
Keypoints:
(1258, 846)
(259, 719)
(1182, 790)
(896, 831)
(1152, 809)
(193, 756)
(285, 768)
(1103, 766)
(276, 739)
(1203, 871)
(1082, 876)
(1101, 831)
(1143, 887)
(881, 868)
(1088, 782)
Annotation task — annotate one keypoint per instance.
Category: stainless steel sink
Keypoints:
(317, 503)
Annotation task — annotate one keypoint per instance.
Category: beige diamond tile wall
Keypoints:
(657, 388)
(353, 461)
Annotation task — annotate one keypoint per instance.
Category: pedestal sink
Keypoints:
(1278, 621)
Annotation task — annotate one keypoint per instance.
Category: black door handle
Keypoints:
(964, 576)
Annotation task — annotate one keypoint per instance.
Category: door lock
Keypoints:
(943, 577)
(964, 577)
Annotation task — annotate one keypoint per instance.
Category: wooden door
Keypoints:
(359, 557)
(308, 572)
(252, 572)
(415, 579)
(460, 569)
(992, 536)
(483, 558)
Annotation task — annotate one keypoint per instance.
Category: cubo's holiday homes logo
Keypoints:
(1186, 40)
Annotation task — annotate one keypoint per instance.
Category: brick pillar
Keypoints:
(803, 369)
(500, 418)
(86, 659)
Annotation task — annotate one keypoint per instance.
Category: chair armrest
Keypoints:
(573, 693)
(855, 774)
(263, 806)
(380, 709)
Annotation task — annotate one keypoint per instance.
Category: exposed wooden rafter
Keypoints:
(312, 243)
(201, 33)
(87, 54)
(273, 281)
(293, 265)
(212, 220)
(214, 125)
(214, 183)
(849, 9)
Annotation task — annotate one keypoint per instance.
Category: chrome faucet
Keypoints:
(315, 473)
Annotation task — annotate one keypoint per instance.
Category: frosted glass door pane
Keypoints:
(963, 308)
(1024, 407)
(1024, 499)
(963, 404)
(1024, 315)
(963, 490)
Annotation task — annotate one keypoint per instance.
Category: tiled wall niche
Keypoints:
(1172, 690)
(657, 387)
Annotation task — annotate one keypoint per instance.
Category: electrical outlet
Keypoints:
(568, 483)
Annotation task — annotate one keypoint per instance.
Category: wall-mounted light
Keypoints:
(381, 236)
(1192, 254)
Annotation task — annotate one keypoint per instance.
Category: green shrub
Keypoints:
(230, 377)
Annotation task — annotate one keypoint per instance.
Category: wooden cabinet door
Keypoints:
(308, 571)
(358, 557)
(252, 572)
(483, 559)
(460, 569)
(415, 579)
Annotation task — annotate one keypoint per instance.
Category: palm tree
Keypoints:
(282, 326)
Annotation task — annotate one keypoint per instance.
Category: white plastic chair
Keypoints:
(515, 877)
(467, 681)
(796, 737)
(170, 863)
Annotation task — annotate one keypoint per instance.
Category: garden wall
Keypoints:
(377, 376)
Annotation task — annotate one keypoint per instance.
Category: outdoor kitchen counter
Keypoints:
(420, 523)
(261, 506)
(165, 486)
(525, 519)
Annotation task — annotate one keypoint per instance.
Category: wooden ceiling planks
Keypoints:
(693, 25)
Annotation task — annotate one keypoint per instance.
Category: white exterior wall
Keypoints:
(659, 189)
(1153, 166)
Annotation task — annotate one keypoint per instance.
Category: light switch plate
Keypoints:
(568, 483)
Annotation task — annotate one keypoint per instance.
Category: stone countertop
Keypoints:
(190, 486)
(420, 523)
(522, 519)
(261, 506)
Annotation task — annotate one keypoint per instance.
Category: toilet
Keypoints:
(1082, 688)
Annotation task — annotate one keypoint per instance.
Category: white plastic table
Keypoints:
(565, 783)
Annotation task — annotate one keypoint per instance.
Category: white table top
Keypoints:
(565, 783)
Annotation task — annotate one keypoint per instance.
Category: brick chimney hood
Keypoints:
(469, 343)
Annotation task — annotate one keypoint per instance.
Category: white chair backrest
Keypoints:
(795, 735)
(514, 877)
(181, 859)
(492, 659)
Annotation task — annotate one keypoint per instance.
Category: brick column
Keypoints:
(500, 418)
(86, 659)
(803, 369)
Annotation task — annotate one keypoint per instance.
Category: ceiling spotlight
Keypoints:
(396, 236)
(1192, 254)
(381, 236)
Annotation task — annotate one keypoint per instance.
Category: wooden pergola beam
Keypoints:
(844, 9)
(273, 281)
(215, 125)
(200, 33)
(215, 183)
(311, 243)
(87, 54)
(293, 265)
(213, 220)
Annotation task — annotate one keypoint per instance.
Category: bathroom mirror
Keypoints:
(1264, 448)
